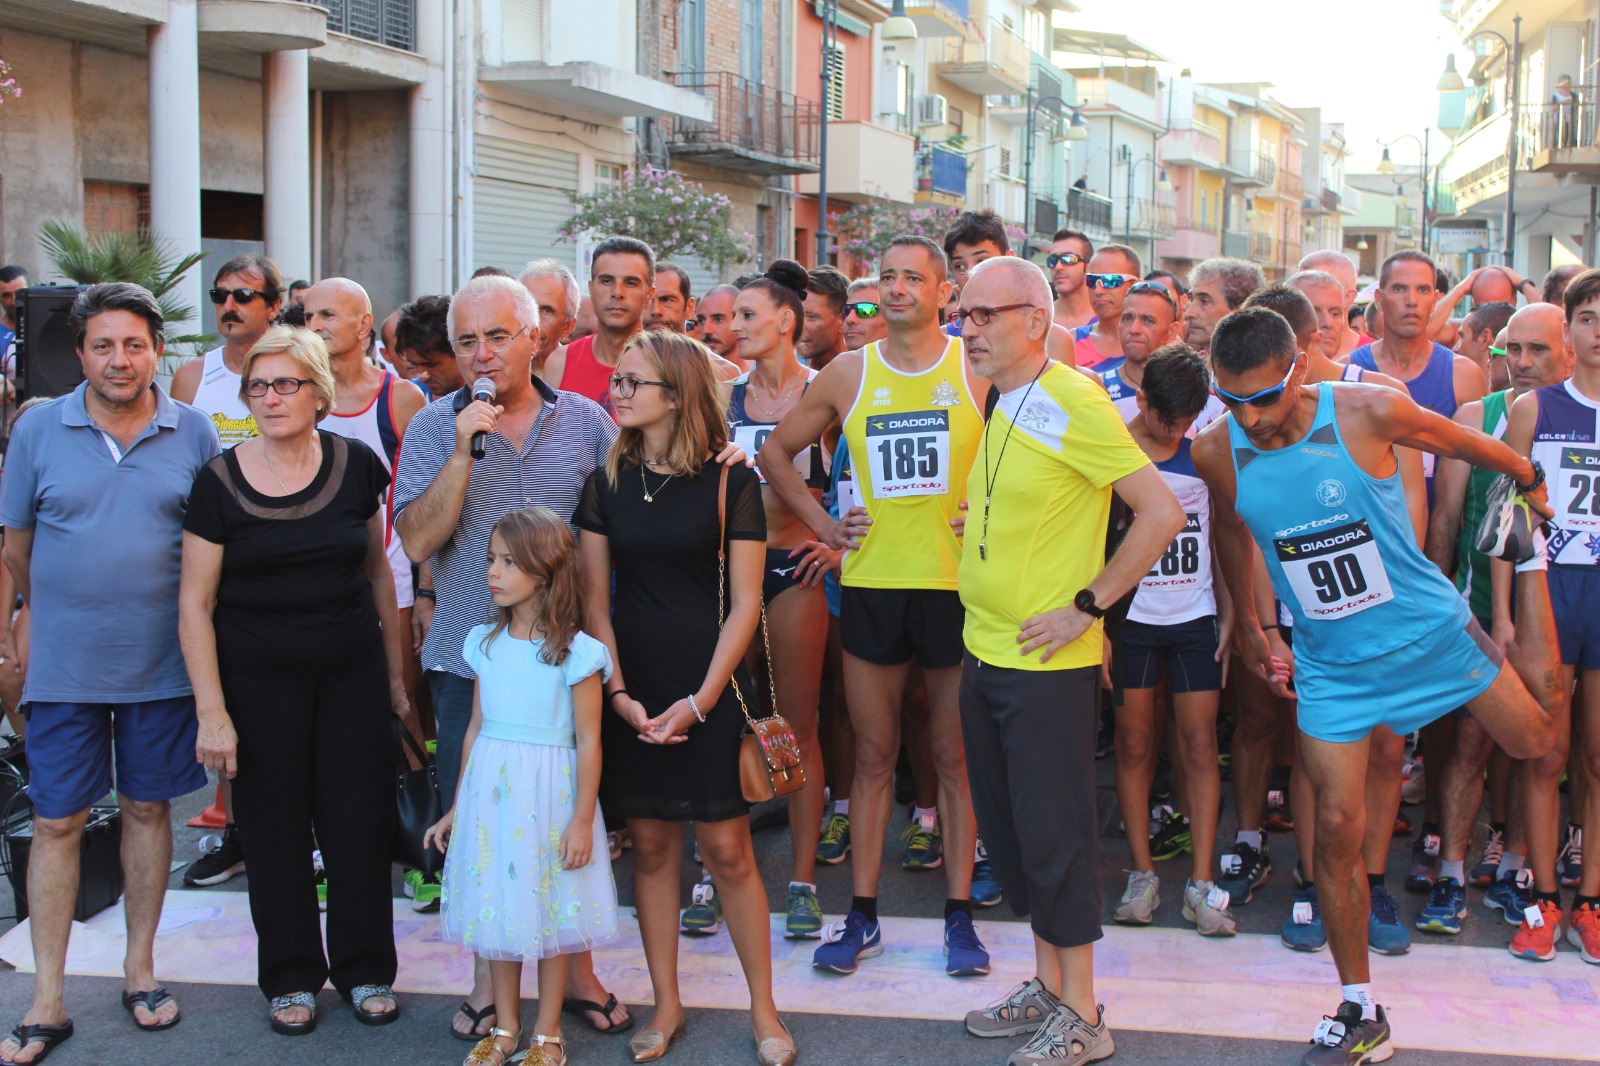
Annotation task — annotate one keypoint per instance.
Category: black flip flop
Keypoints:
(151, 1001)
(472, 1036)
(48, 1035)
(581, 1007)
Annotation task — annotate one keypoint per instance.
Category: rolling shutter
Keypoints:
(520, 196)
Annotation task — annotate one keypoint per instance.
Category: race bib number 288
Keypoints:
(908, 454)
(1335, 573)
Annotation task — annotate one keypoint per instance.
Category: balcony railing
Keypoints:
(1089, 212)
(754, 129)
(386, 22)
(1151, 218)
(941, 171)
(1290, 184)
(992, 60)
(1236, 244)
(1254, 166)
(1330, 201)
(1569, 133)
(1264, 248)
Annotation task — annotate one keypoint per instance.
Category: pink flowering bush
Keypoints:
(677, 217)
(9, 89)
(867, 228)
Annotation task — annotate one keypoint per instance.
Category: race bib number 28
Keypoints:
(1576, 490)
(908, 454)
(1335, 573)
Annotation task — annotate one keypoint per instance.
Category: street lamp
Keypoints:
(1386, 166)
(1161, 185)
(898, 27)
(1077, 130)
(1450, 82)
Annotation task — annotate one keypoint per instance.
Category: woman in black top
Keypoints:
(292, 639)
(650, 518)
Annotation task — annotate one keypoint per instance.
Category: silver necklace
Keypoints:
(273, 470)
(772, 408)
(650, 497)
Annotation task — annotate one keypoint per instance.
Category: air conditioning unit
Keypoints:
(932, 110)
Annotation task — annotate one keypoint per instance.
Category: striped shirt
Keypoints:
(570, 438)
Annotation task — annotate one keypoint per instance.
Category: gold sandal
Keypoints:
(653, 1044)
(487, 1052)
(538, 1056)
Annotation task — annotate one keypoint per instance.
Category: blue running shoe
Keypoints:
(1446, 907)
(1244, 870)
(965, 955)
(985, 885)
(834, 843)
(845, 943)
(1569, 864)
(1510, 895)
(1303, 931)
(1386, 935)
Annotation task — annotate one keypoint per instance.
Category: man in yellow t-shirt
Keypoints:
(1034, 588)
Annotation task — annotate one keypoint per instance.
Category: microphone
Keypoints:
(482, 389)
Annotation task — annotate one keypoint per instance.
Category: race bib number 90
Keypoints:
(908, 454)
(1335, 573)
(751, 438)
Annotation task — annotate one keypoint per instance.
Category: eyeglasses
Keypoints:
(240, 296)
(982, 316)
(862, 309)
(1055, 259)
(1158, 289)
(1496, 353)
(1107, 281)
(496, 342)
(257, 388)
(626, 387)
(1264, 398)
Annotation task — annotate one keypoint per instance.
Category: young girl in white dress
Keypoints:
(527, 875)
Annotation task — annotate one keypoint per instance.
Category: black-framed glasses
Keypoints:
(240, 296)
(982, 316)
(863, 309)
(1107, 281)
(625, 387)
(257, 387)
(1264, 398)
(1157, 288)
(497, 342)
(1055, 259)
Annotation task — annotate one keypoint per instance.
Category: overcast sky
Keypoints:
(1371, 64)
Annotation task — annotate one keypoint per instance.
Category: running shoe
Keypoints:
(1021, 1012)
(1139, 900)
(1279, 820)
(1171, 837)
(1445, 909)
(1569, 864)
(1413, 783)
(221, 859)
(1346, 1039)
(985, 885)
(1066, 1037)
(1303, 931)
(1424, 864)
(1244, 870)
(1206, 906)
(834, 844)
(320, 874)
(1535, 939)
(845, 943)
(703, 915)
(805, 914)
(424, 891)
(1386, 935)
(1583, 932)
(1483, 872)
(1510, 895)
(964, 953)
(924, 849)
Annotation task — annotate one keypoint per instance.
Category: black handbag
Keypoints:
(416, 806)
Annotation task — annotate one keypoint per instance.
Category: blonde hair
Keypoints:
(700, 424)
(542, 547)
(308, 352)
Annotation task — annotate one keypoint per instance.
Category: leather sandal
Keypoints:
(151, 1001)
(488, 1052)
(307, 1000)
(51, 1036)
(537, 1055)
(361, 993)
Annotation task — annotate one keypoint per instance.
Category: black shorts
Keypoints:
(889, 627)
(1188, 649)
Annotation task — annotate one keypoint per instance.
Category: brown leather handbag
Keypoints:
(769, 754)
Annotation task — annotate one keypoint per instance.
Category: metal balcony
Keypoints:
(1562, 138)
(991, 61)
(1149, 218)
(387, 22)
(754, 129)
(1253, 168)
(941, 176)
(1236, 244)
(1089, 212)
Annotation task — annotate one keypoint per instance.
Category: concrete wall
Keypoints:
(365, 193)
(40, 162)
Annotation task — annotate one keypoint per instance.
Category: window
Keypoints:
(1005, 162)
(522, 30)
(750, 40)
(692, 36)
(1036, 30)
(1205, 213)
(955, 117)
(607, 176)
(835, 57)
(908, 99)
(115, 207)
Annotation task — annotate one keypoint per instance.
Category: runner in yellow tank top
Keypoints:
(908, 405)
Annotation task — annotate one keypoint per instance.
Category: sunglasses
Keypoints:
(1158, 289)
(1264, 398)
(862, 308)
(1055, 259)
(240, 296)
(1107, 281)
(1496, 353)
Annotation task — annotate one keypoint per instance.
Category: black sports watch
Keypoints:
(1084, 601)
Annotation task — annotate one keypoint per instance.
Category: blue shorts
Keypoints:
(1575, 599)
(1189, 650)
(1404, 689)
(832, 590)
(70, 751)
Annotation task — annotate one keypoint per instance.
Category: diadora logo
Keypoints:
(880, 397)
(1292, 530)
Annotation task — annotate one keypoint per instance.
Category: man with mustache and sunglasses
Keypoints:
(1112, 272)
(247, 292)
(1381, 636)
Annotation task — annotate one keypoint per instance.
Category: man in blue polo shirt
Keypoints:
(95, 487)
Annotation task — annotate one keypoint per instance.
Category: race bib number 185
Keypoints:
(908, 454)
(1335, 573)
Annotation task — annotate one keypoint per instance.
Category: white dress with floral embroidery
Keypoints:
(506, 895)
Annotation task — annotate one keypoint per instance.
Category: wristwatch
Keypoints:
(1084, 601)
(1538, 478)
